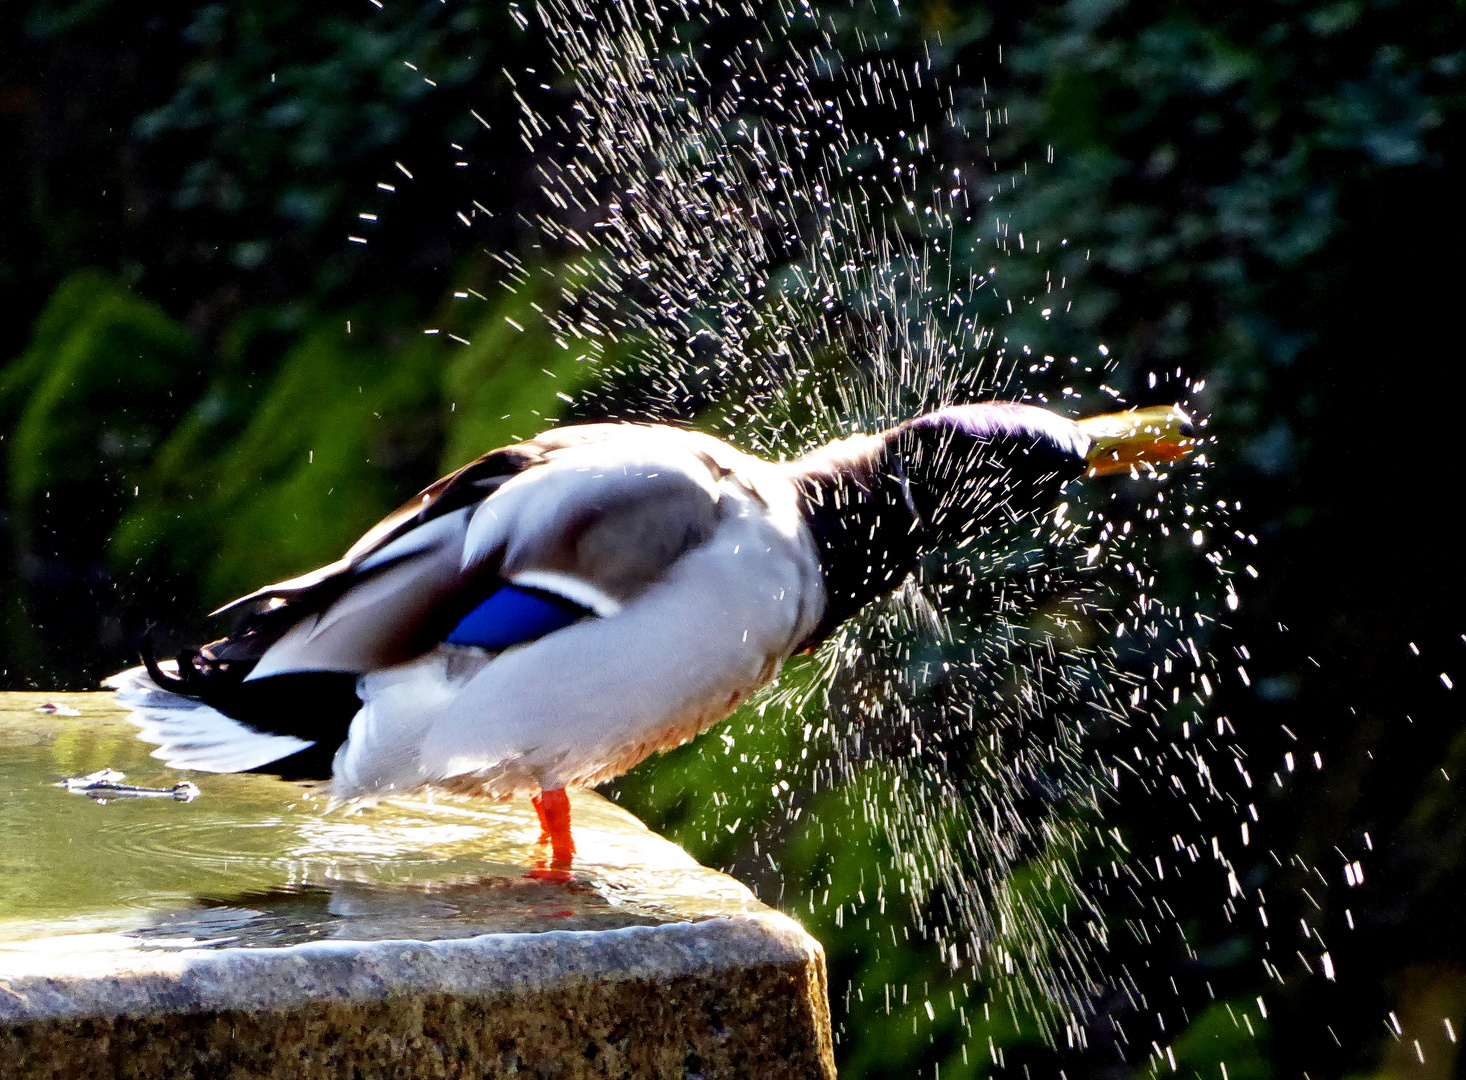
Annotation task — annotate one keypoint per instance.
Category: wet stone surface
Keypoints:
(249, 931)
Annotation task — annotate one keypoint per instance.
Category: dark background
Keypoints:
(1271, 195)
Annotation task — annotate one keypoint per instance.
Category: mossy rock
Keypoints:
(349, 426)
(87, 403)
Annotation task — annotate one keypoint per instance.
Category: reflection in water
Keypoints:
(257, 861)
(373, 912)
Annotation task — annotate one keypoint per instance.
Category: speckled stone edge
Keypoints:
(743, 996)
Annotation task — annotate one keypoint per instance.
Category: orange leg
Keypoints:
(553, 807)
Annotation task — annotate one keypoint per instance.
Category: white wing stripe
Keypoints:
(576, 590)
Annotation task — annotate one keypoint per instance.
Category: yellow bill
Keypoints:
(1152, 436)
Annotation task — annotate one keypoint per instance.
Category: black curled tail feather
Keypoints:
(173, 684)
(200, 675)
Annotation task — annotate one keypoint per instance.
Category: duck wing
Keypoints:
(595, 519)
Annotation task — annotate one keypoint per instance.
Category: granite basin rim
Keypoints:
(137, 982)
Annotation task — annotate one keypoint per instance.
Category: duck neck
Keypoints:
(877, 503)
(861, 510)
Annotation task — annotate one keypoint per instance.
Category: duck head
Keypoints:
(877, 503)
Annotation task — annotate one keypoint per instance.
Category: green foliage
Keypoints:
(343, 427)
(1230, 1033)
(514, 378)
(216, 156)
(234, 511)
(198, 488)
(288, 104)
(83, 408)
(90, 397)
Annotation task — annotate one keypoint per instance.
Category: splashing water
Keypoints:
(780, 229)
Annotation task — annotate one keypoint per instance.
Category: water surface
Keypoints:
(253, 860)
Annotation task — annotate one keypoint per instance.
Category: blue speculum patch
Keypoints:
(512, 616)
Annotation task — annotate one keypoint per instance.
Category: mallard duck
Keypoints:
(552, 613)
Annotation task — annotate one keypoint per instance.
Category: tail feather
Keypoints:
(191, 734)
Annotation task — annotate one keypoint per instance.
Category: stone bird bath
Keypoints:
(251, 933)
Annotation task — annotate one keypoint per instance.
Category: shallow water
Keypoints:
(253, 860)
